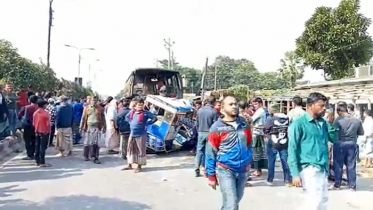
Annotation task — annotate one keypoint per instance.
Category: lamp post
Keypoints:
(89, 73)
(79, 50)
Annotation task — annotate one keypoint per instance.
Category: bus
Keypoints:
(150, 81)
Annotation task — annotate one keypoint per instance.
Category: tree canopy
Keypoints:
(230, 72)
(336, 40)
(291, 68)
(22, 72)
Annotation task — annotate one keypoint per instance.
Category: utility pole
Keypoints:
(215, 79)
(203, 80)
(168, 45)
(49, 31)
(89, 72)
(156, 62)
(172, 60)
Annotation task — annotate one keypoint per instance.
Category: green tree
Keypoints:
(241, 92)
(23, 72)
(269, 81)
(193, 76)
(336, 40)
(291, 68)
(231, 72)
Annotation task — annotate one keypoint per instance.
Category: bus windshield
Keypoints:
(167, 83)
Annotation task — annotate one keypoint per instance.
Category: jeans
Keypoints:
(272, 154)
(315, 186)
(12, 117)
(344, 153)
(51, 136)
(200, 152)
(29, 138)
(232, 186)
(41, 145)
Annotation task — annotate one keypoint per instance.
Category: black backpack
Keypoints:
(279, 132)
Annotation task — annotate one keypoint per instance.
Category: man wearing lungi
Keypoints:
(93, 124)
(64, 123)
(138, 120)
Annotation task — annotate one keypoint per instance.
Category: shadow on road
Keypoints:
(365, 184)
(167, 168)
(74, 202)
(27, 174)
(9, 190)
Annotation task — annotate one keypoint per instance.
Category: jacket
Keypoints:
(41, 121)
(122, 123)
(276, 127)
(228, 146)
(64, 116)
(206, 116)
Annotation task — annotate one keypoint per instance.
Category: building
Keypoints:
(357, 91)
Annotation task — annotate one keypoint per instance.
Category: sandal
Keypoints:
(127, 168)
(256, 174)
(138, 170)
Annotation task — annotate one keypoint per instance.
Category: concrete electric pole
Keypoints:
(168, 45)
(49, 31)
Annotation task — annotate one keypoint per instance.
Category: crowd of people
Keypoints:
(236, 137)
(61, 122)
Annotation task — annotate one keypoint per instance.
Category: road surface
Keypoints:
(167, 183)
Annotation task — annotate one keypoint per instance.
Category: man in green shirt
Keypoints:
(308, 152)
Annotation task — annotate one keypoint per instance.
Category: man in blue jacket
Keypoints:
(64, 124)
(228, 154)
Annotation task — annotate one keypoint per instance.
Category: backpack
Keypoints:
(122, 123)
(279, 131)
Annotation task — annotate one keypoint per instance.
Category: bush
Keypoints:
(241, 92)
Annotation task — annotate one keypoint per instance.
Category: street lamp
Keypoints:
(79, 50)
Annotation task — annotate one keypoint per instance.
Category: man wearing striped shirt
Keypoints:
(52, 110)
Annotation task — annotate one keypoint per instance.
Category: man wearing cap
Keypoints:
(64, 123)
(52, 110)
(276, 128)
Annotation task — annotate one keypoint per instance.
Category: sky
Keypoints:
(127, 34)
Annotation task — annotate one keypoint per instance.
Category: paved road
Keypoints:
(166, 184)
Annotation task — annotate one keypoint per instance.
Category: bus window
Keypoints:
(176, 82)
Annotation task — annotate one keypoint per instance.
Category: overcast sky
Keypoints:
(129, 33)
